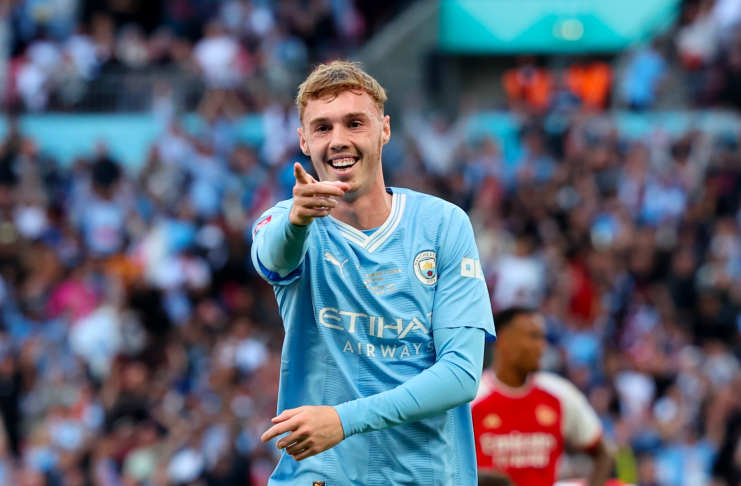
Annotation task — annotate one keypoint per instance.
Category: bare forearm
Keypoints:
(602, 461)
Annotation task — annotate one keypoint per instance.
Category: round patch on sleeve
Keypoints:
(425, 267)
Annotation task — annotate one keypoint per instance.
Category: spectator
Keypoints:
(528, 87)
(437, 140)
(644, 75)
(698, 41)
(217, 56)
(137, 345)
(519, 277)
(591, 83)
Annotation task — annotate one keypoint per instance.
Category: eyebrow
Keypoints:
(318, 120)
(357, 114)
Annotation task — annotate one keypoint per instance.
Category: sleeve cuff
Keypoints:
(489, 329)
(275, 276)
(346, 418)
(591, 446)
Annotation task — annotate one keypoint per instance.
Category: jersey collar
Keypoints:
(373, 242)
(512, 392)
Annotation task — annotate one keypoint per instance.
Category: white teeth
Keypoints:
(343, 162)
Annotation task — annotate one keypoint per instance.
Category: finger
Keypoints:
(291, 439)
(316, 202)
(300, 174)
(319, 189)
(287, 414)
(342, 185)
(306, 453)
(296, 448)
(314, 212)
(278, 429)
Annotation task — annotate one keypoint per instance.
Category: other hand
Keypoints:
(313, 430)
(311, 198)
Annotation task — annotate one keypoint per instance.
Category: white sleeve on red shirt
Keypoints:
(582, 428)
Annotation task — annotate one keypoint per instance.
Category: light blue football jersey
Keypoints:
(359, 315)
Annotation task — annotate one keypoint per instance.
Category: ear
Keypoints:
(302, 142)
(386, 129)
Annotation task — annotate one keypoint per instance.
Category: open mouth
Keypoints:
(342, 164)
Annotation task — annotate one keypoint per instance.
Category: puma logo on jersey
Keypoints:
(331, 259)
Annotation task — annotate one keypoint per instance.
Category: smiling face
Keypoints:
(344, 136)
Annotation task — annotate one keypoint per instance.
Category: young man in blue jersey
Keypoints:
(384, 305)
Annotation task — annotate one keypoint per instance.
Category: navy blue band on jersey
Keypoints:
(452, 381)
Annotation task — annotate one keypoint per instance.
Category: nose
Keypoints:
(541, 346)
(340, 141)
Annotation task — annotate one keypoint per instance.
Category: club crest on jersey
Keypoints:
(425, 267)
(492, 421)
(545, 415)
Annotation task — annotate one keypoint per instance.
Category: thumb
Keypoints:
(287, 414)
(300, 174)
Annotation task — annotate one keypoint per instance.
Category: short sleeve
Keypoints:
(582, 428)
(461, 296)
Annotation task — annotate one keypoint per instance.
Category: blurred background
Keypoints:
(594, 144)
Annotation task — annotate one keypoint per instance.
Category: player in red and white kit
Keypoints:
(524, 419)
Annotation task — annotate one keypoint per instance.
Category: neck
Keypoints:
(368, 211)
(510, 376)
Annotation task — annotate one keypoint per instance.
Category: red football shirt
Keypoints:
(523, 431)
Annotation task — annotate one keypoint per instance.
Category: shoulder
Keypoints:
(572, 400)
(281, 207)
(284, 204)
(556, 385)
(487, 387)
(581, 425)
(428, 205)
(265, 218)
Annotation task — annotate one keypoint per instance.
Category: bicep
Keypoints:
(461, 297)
(584, 429)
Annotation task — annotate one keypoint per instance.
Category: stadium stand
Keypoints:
(139, 347)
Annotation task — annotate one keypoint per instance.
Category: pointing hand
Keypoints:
(311, 198)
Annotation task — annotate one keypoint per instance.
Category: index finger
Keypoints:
(321, 189)
(287, 414)
(300, 174)
(342, 185)
(276, 430)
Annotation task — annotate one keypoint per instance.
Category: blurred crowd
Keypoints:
(55, 54)
(696, 63)
(631, 249)
(138, 347)
(51, 51)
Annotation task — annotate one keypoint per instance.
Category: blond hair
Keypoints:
(329, 80)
